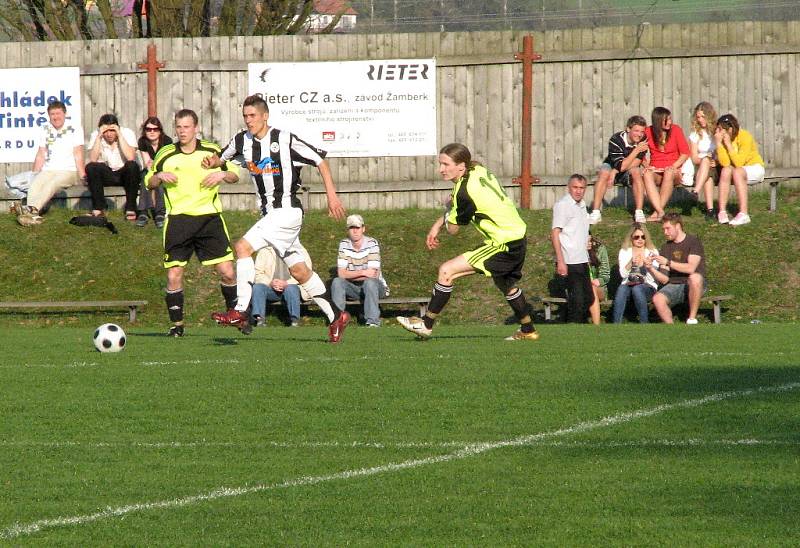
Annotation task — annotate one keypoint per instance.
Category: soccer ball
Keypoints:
(109, 337)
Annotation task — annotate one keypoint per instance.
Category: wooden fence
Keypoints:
(587, 84)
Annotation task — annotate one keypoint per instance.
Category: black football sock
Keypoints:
(229, 294)
(174, 301)
(516, 299)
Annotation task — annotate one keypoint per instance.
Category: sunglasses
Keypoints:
(355, 227)
(148, 129)
(638, 237)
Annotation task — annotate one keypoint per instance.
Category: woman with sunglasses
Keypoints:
(739, 158)
(636, 280)
(151, 140)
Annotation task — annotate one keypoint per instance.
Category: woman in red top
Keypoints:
(668, 151)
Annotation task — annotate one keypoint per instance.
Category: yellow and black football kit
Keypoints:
(479, 199)
(194, 212)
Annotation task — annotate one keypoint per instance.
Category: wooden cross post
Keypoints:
(152, 65)
(527, 56)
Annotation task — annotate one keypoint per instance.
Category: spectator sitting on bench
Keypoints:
(59, 163)
(681, 269)
(637, 282)
(112, 153)
(151, 140)
(626, 151)
(668, 154)
(274, 283)
(358, 271)
(739, 158)
(703, 154)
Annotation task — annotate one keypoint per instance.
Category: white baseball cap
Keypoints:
(355, 221)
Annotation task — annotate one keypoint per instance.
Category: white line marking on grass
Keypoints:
(470, 450)
(692, 442)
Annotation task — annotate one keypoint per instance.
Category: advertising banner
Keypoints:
(24, 96)
(353, 108)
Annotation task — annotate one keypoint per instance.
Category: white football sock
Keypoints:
(245, 276)
(316, 288)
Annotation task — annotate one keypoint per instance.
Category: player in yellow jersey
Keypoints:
(194, 213)
(478, 199)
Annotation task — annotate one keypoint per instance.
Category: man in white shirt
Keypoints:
(112, 162)
(570, 232)
(58, 163)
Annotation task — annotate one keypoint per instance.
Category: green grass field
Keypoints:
(615, 435)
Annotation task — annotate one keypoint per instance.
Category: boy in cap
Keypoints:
(358, 271)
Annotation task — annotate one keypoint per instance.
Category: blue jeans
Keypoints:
(263, 294)
(642, 295)
(369, 292)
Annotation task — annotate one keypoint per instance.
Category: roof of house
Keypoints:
(333, 7)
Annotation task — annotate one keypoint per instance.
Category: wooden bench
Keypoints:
(715, 300)
(132, 306)
(773, 178)
(421, 302)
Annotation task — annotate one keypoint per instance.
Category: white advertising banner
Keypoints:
(24, 96)
(353, 108)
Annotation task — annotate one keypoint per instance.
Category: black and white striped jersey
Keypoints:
(274, 163)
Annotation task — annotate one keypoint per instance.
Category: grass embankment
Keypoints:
(757, 263)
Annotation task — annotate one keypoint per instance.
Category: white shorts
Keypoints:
(755, 173)
(279, 229)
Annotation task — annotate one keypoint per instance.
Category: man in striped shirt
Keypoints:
(358, 271)
(274, 159)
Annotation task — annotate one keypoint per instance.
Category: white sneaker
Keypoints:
(638, 216)
(415, 325)
(595, 217)
(691, 321)
(722, 217)
(740, 219)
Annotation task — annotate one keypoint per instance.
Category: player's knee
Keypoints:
(227, 277)
(445, 275)
(300, 272)
(174, 279)
(242, 248)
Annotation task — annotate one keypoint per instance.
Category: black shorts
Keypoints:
(623, 178)
(205, 235)
(500, 261)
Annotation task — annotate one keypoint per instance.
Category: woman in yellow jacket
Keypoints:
(738, 157)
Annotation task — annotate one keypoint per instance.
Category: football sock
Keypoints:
(229, 294)
(441, 294)
(245, 275)
(174, 300)
(520, 307)
(319, 293)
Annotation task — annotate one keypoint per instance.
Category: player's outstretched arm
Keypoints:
(335, 207)
(432, 239)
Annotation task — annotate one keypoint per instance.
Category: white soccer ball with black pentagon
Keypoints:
(109, 337)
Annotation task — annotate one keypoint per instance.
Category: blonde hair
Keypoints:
(628, 241)
(711, 118)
